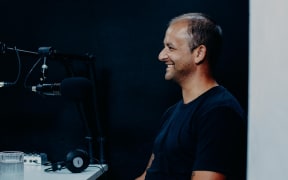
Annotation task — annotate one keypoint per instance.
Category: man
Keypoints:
(203, 136)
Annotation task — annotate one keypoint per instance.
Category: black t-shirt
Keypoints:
(208, 133)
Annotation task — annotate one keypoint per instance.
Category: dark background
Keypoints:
(125, 38)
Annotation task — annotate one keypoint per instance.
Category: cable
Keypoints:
(7, 84)
(29, 73)
(102, 168)
(55, 166)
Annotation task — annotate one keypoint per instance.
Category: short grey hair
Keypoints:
(202, 30)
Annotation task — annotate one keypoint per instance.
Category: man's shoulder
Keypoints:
(219, 98)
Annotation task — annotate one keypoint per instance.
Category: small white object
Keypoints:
(32, 159)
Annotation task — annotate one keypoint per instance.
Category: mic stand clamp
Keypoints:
(45, 51)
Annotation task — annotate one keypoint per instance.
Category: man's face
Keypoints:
(176, 53)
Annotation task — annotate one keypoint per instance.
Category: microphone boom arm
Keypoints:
(50, 53)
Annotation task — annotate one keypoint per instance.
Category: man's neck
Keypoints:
(192, 90)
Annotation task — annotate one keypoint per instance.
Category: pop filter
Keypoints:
(76, 88)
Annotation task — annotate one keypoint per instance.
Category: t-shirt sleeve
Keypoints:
(221, 142)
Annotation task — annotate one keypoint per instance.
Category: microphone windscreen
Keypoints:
(76, 88)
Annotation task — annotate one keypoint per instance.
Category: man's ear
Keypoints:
(200, 54)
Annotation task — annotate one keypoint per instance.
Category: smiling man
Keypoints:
(203, 136)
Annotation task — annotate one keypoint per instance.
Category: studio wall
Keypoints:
(267, 132)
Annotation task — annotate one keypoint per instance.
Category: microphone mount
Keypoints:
(52, 54)
(4, 49)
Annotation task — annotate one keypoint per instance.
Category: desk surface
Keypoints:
(36, 172)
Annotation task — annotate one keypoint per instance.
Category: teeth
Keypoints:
(170, 65)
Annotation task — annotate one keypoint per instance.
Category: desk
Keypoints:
(36, 172)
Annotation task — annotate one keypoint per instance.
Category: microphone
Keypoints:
(48, 89)
(76, 88)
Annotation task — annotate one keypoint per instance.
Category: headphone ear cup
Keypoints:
(77, 161)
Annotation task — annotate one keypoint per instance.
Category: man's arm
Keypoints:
(207, 175)
(142, 177)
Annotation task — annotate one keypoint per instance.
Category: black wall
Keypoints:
(125, 37)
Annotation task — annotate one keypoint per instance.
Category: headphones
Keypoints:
(76, 162)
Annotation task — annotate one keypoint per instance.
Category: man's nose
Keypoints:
(162, 55)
